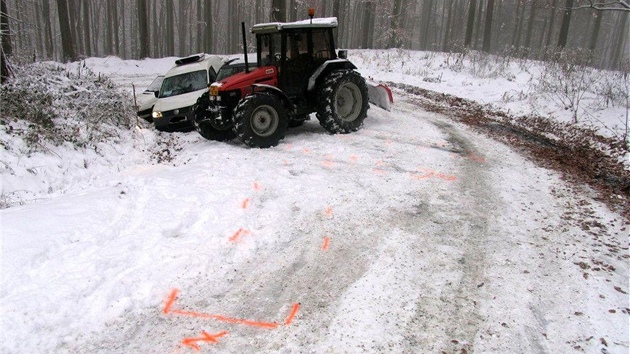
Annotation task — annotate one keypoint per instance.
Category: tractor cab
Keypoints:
(297, 49)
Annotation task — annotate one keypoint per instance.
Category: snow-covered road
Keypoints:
(412, 235)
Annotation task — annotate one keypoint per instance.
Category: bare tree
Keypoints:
(143, 29)
(68, 52)
(470, 23)
(487, 30)
(87, 38)
(5, 30)
(5, 33)
(564, 27)
(279, 10)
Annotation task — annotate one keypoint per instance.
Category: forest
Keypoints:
(69, 30)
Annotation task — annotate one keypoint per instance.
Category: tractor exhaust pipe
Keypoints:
(245, 47)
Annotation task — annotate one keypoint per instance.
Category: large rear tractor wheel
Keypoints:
(203, 124)
(260, 120)
(342, 102)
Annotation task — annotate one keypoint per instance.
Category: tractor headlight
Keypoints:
(156, 115)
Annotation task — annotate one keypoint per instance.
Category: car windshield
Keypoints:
(155, 85)
(184, 83)
(229, 70)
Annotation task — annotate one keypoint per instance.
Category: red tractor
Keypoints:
(298, 71)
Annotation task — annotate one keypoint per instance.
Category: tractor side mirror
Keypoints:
(343, 54)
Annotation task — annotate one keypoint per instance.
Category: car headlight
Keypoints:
(156, 115)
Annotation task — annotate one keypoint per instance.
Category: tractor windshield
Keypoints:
(269, 45)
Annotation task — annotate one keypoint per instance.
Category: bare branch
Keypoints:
(613, 5)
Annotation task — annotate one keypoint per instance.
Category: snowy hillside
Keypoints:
(414, 234)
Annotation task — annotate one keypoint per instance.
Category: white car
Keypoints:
(147, 100)
(182, 86)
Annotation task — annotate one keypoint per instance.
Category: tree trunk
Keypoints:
(48, 37)
(336, 13)
(200, 27)
(208, 32)
(487, 30)
(395, 37)
(564, 28)
(68, 53)
(446, 46)
(116, 44)
(5, 70)
(368, 25)
(619, 47)
(530, 28)
(427, 14)
(143, 29)
(87, 38)
(470, 23)
(7, 48)
(592, 45)
(279, 11)
(170, 28)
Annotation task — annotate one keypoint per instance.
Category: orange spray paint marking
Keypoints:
(170, 301)
(205, 337)
(294, 311)
(222, 318)
(354, 158)
(378, 171)
(227, 319)
(306, 151)
(326, 243)
(257, 186)
(245, 203)
(477, 158)
(237, 235)
(432, 173)
(328, 211)
(328, 164)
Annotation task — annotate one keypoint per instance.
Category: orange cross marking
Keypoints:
(245, 203)
(205, 337)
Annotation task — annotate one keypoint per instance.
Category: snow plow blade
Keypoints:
(380, 95)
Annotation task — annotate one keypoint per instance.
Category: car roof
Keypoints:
(326, 22)
(204, 62)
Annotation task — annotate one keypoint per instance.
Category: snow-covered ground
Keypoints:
(413, 234)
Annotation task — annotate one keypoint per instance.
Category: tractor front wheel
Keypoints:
(203, 123)
(342, 102)
(260, 120)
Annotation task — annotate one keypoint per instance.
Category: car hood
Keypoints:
(146, 101)
(175, 102)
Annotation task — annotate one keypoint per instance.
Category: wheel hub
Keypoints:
(264, 120)
(348, 102)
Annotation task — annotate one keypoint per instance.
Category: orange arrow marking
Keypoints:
(205, 337)
(171, 300)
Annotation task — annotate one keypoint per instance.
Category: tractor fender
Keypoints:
(276, 91)
(326, 67)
